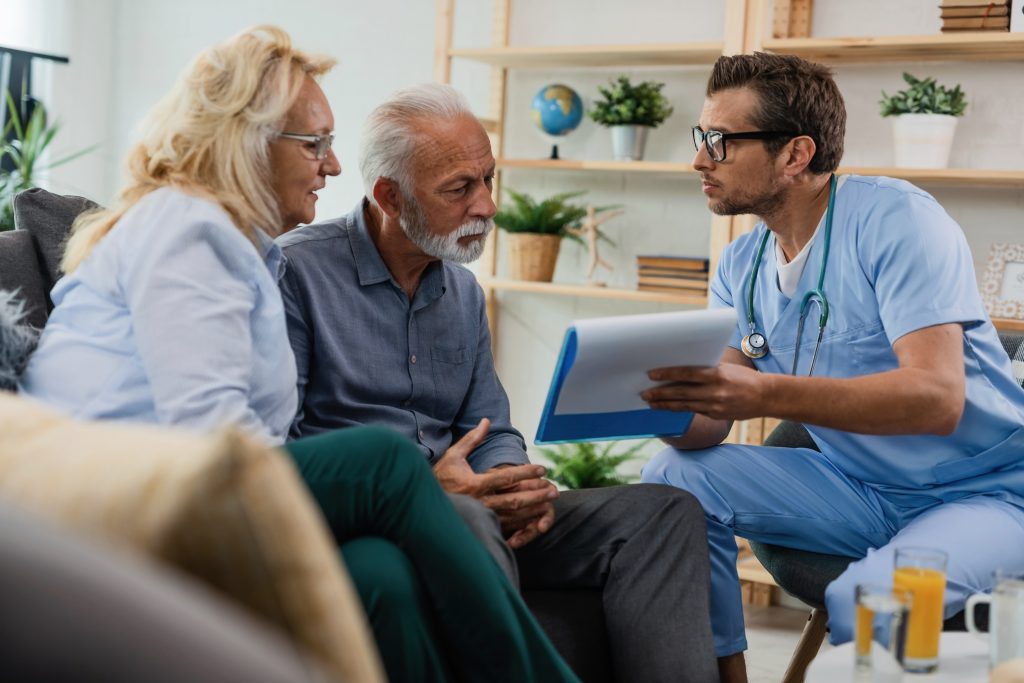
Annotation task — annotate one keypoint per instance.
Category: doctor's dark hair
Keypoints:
(794, 95)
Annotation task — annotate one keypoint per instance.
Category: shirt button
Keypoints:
(412, 359)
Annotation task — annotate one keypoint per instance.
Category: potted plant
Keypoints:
(24, 151)
(584, 465)
(925, 121)
(535, 231)
(630, 111)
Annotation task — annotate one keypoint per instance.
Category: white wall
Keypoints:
(126, 53)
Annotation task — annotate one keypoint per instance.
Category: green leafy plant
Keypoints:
(25, 150)
(585, 465)
(924, 96)
(625, 104)
(552, 216)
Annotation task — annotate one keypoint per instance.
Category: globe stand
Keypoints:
(554, 152)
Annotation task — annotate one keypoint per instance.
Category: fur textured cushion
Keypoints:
(17, 340)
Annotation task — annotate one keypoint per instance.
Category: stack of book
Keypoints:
(975, 15)
(675, 274)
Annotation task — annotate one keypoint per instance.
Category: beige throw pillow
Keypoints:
(222, 508)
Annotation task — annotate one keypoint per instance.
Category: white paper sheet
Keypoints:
(614, 354)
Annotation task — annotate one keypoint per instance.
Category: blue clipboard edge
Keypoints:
(630, 424)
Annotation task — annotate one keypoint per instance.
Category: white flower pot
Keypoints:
(628, 142)
(923, 140)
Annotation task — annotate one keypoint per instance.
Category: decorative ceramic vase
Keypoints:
(532, 256)
(923, 140)
(628, 142)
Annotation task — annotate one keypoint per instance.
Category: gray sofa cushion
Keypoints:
(21, 272)
(48, 218)
(78, 611)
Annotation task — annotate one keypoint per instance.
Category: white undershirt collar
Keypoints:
(791, 271)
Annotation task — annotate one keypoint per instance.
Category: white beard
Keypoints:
(444, 247)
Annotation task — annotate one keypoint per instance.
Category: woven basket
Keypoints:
(532, 256)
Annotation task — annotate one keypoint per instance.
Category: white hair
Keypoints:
(390, 133)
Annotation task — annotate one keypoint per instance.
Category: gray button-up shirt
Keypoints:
(367, 355)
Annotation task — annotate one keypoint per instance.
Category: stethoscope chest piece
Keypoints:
(754, 345)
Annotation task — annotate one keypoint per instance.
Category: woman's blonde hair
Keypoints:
(210, 135)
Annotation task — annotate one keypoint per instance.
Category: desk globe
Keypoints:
(556, 110)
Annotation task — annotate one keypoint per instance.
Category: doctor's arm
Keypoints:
(924, 395)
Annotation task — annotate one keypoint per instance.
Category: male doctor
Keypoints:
(858, 316)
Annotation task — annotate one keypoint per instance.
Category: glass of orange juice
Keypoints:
(880, 631)
(922, 572)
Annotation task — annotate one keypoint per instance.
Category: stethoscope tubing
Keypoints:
(816, 295)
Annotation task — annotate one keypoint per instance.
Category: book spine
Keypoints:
(673, 262)
(671, 290)
(955, 12)
(1017, 17)
(684, 272)
(976, 23)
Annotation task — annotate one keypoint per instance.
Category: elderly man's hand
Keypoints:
(518, 494)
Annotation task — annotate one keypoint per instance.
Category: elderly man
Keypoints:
(388, 330)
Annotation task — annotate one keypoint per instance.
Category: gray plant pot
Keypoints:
(628, 142)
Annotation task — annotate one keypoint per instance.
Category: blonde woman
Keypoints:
(170, 313)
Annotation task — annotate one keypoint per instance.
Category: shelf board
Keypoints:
(965, 46)
(957, 176)
(558, 288)
(1008, 324)
(663, 167)
(654, 54)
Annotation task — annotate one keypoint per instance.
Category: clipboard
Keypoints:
(603, 364)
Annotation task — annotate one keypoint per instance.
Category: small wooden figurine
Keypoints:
(589, 232)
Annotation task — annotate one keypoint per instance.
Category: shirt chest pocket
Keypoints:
(453, 374)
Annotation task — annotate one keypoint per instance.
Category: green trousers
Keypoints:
(439, 606)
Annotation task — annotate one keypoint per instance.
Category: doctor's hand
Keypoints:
(518, 494)
(727, 391)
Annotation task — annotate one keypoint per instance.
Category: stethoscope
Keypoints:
(755, 345)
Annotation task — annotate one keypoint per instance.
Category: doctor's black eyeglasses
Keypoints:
(714, 140)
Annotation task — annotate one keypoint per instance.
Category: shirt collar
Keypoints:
(371, 268)
(271, 253)
(369, 264)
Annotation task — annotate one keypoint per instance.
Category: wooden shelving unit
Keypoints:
(661, 54)
(560, 289)
(948, 47)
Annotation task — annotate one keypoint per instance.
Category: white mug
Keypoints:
(1006, 616)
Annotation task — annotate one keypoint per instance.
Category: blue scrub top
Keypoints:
(898, 263)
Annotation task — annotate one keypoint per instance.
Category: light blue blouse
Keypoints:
(898, 263)
(174, 318)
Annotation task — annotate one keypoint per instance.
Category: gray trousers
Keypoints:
(644, 547)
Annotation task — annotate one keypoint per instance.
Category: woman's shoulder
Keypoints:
(166, 217)
(181, 206)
